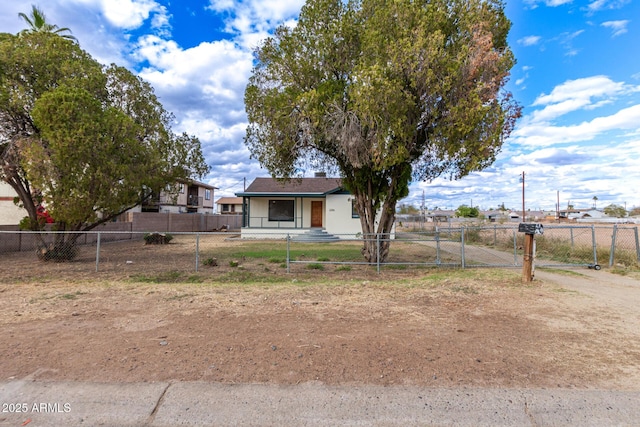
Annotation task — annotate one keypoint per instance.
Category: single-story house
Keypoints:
(229, 205)
(192, 197)
(276, 208)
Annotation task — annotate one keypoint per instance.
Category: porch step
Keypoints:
(315, 235)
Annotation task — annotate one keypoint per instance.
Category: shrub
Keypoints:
(211, 262)
(157, 238)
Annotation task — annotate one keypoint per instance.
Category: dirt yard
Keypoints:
(425, 327)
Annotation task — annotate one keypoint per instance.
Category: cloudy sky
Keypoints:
(577, 77)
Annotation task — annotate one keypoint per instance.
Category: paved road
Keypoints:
(207, 404)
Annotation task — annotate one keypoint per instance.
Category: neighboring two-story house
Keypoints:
(188, 197)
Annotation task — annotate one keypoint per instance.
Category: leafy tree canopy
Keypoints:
(408, 209)
(86, 140)
(383, 92)
(465, 211)
(616, 211)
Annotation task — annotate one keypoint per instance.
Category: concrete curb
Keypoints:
(45, 403)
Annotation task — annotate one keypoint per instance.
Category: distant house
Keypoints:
(580, 214)
(440, 215)
(190, 197)
(230, 205)
(298, 206)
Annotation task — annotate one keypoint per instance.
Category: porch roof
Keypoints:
(299, 187)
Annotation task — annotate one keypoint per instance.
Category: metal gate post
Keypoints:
(571, 233)
(613, 245)
(462, 247)
(637, 245)
(378, 252)
(98, 252)
(197, 250)
(515, 248)
(595, 249)
(438, 260)
(288, 253)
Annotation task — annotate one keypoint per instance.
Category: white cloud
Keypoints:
(529, 40)
(131, 14)
(618, 27)
(549, 3)
(256, 16)
(574, 95)
(599, 5)
(544, 134)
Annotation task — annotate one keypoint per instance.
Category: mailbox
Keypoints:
(530, 228)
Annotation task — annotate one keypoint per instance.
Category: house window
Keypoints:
(280, 210)
(207, 194)
(181, 188)
(354, 211)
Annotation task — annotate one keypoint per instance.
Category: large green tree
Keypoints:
(385, 91)
(85, 140)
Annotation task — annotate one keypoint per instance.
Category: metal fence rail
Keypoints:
(463, 247)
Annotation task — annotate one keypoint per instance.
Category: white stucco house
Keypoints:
(312, 206)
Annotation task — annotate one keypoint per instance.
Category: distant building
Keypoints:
(230, 205)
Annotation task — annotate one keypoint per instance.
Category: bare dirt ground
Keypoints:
(480, 328)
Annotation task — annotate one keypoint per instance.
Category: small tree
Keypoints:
(383, 92)
(615, 211)
(465, 211)
(408, 209)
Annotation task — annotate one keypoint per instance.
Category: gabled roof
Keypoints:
(229, 201)
(294, 186)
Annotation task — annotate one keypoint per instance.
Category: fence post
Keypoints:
(438, 261)
(378, 252)
(637, 244)
(98, 251)
(197, 250)
(462, 247)
(288, 253)
(595, 249)
(571, 232)
(613, 245)
(495, 235)
(515, 247)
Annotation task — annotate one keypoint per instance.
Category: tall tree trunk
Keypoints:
(377, 234)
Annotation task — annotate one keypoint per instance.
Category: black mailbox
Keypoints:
(530, 228)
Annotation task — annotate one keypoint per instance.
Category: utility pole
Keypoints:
(522, 180)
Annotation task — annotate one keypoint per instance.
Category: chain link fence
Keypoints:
(138, 253)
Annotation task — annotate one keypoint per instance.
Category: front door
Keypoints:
(316, 214)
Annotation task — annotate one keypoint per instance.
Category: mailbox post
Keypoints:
(529, 230)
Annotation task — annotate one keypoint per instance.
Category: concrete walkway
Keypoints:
(40, 403)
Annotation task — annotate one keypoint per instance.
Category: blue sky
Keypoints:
(577, 77)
